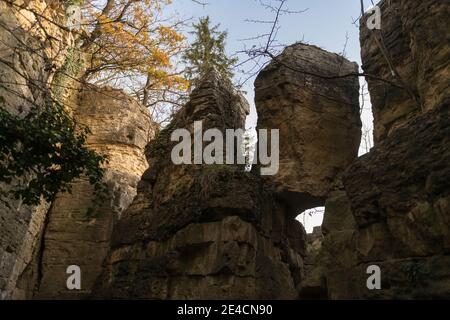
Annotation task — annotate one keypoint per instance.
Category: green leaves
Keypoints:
(208, 51)
(44, 152)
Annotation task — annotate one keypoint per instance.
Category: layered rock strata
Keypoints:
(390, 208)
(411, 52)
(120, 129)
(306, 94)
(204, 231)
(218, 232)
(30, 54)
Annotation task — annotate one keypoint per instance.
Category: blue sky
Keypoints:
(325, 24)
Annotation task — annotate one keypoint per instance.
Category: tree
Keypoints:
(133, 45)
(127, 44)
(129, 40)
(208, 51)
(42, 150)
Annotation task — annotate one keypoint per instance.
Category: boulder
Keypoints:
(306, 94)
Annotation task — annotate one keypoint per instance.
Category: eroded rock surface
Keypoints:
(120, 129)
(414, 36)
(218, 232)
(390, 208)
(206, 231)
(30, 54)
(317, 112)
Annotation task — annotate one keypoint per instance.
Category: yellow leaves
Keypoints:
(170, 35)
(136, 39)
(159, 57)
(164, 79)
(177, 82)
(182, 84)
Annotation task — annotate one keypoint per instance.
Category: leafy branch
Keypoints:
(46, 147)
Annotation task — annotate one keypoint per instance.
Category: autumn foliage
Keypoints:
(131, 44)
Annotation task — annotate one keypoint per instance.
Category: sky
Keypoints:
(325, 23)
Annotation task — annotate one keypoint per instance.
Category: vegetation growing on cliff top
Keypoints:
(208, 51)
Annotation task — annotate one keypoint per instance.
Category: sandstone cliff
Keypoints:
(120, 129)
(318, 119)
(38, 66)
(29, 56)
(206, 231)
(217, 232)
(414, 37)
(390, 208)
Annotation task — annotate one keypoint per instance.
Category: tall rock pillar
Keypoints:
(120, 129)
(203, 231)
(308, 95)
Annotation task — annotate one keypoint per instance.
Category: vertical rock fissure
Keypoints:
(40, 255)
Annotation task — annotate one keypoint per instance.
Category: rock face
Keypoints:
(318, 119)
(219, 232)
(205, 231)
(415, 38)
(390, 208)
(29, 57)
(120, 129)
(38, 244)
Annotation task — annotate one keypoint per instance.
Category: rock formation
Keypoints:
(172, 231)
(414, 37)
(390, 208)
(29, 58)
(120, 129)
(38, 65)
(317, 112)
(206, 231)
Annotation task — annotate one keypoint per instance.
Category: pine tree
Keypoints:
(207, 51)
